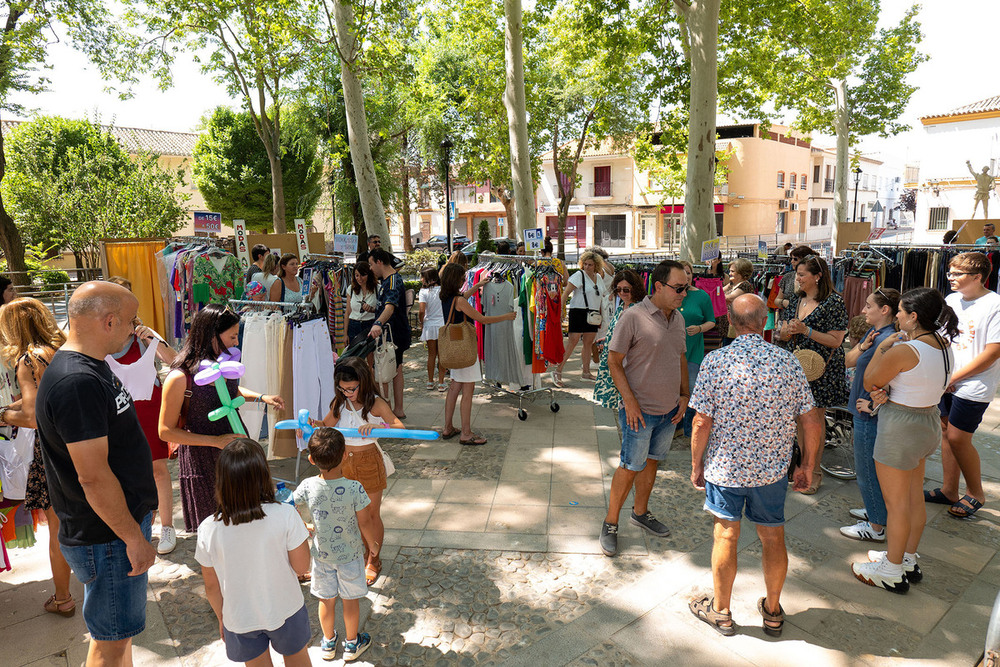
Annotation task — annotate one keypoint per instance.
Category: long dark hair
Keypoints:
(430, 277)
(634, 281)
(365, 269)
(816, 265)
(452, 276)
(205, 341)
(933, 314)
(354, 369)
(242, 483)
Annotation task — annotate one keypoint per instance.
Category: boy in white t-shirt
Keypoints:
(336, 507)
(973, 385)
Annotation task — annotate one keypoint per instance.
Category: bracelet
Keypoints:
(810, 334)
(3, 415)
(259, 399)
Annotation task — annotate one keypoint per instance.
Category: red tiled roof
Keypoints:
(134, 139)
(989, 104)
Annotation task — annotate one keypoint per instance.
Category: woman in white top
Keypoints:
(363, 302)
(268, 273)
(915, 365)
(431, 319)
(585, 293)
(358, 405)
(288, 287)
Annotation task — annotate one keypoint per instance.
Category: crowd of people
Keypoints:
(923, 365)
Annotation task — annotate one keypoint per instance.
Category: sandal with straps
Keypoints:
(779, 618)
(703, 611)
(372, 570)
(54, 606)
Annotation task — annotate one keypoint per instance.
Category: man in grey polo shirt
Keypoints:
(646, 358)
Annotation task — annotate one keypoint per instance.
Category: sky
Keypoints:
(960, 38)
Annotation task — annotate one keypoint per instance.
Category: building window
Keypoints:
(791, 181)
(814, 218)
(781, 179)
(938, 218)
(609, 231)
(825, 217)
(779, 223)
(602, 181)
(671, 229)
(493, 198)
(564, 181)
(803, 184)
(815, 174)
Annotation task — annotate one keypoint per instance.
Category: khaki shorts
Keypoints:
(906, 435)
(365, 466)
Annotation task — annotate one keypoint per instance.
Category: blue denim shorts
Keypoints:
(293, 636)
(963, 414)
(114, 604)
(765, 505)
(345, 581)
(651, 441)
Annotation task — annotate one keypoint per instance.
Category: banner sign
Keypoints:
(242, 248)
(761, 249)
(300, 237)
(205, 221)
(533, 239)
(345, 243)
(710, 250)
(876, 233)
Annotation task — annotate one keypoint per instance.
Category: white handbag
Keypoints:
(385, 358)
(15, 459)
(389, 467)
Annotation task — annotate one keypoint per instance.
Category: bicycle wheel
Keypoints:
(838, 454)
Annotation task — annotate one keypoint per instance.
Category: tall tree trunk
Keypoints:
(702, 18)
(517, 119)
(511, 212)
(277, 192)
(357, 127)
(842, 120)
(407, 241)
(10, 237)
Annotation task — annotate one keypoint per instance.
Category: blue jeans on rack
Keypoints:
(864, 466)
(689, 413)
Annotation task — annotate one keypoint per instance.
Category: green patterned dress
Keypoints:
(605, 392)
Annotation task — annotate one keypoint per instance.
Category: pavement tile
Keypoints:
(522, 493)
(528, 471)
(586, 494)
(423, 490)
(518, 519)
(460, 518)
(467, 491)
(536, 453)
(437, 451)
(406, 514)
(481, 540)
(953, 548)
(576, 520)
(571, 471)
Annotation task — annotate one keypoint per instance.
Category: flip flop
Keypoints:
(475, 440)
(702, 609)
(449, 436)
(938, 498)
(959, 511)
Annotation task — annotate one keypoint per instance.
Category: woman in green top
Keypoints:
(699, 317)
(629, 288)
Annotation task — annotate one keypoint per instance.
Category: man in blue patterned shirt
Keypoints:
(748, 399)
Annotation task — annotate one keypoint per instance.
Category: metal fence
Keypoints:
(55, 295)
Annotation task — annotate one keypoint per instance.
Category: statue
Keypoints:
(984, 186)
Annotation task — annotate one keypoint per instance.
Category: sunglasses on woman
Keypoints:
(623, 290)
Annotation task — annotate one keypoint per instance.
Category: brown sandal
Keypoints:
(817, 481)
(703, 611)
(54, 606)
(779, 618)
(372, 570)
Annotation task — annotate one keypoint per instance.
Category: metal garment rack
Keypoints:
(528, 394)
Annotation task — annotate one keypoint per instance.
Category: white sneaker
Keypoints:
(168, 540)
(860, 515)
(863, 530)
(880, 574)
(910, 567)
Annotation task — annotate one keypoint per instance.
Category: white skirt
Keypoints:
(430, 331)
(467, 374)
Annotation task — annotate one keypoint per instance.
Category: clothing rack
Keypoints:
(270, 305)
(320, 256)
(225, 243)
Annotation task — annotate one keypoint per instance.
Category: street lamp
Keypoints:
(447, 146)
(857, 179)
(331, 181)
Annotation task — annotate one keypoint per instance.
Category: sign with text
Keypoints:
(452, 209)
(710, 250)
(533, 239)
(761, 249)
(501, 226)
(300, 237)
(204, 221)
(242, 247)
(876, 233)
(345, 243)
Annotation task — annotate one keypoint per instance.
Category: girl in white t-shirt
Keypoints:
(431, 319)
(251, 552)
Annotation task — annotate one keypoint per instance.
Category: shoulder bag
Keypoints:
(456, 342)
(385, 357)
(173, 447)
(594, 317)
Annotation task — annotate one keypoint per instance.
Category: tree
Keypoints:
(30, 26)
(255, 50)
(517, 118)
(485, 241)
(70, 184)
(232, 168)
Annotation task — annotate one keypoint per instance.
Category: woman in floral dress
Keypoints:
(627, 285)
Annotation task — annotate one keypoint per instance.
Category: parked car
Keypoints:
(440, 242)
(470, 249)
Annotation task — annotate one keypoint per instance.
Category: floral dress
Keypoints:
(605, 392)
(830, 389)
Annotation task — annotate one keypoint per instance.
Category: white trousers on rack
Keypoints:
(312, 368)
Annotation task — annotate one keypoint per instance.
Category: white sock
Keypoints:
(908, 556)
(894, 569)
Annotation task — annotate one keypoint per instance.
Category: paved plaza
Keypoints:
(491, 558)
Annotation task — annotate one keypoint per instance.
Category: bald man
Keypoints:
(747, 401)
(100, 470)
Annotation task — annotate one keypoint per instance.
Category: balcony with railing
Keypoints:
(601, 189)
(827, 185)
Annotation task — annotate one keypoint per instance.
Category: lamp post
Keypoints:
(857, 179)
(331, 181)
(447, 146)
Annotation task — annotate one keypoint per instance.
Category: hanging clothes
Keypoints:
(501, 362)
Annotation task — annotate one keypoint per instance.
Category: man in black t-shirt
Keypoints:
(99, 469)
(391, 314)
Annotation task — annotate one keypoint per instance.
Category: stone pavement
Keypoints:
(491, 558)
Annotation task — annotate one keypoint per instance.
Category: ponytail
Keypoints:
(948, 321)
(933, 314)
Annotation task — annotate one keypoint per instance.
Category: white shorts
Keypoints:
(467, 374)
(345, 581)
(430, 332)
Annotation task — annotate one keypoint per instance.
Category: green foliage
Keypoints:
(232, 171)
(69, 184)
(36, 261)
(485, 241)
(419, 259)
